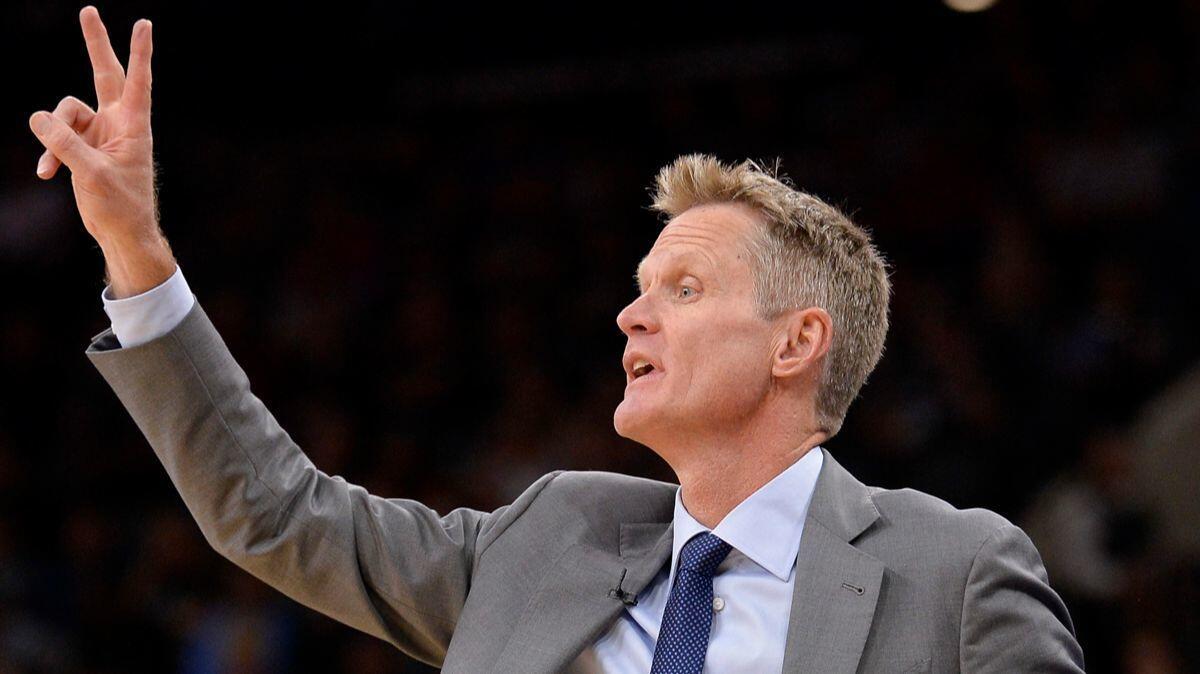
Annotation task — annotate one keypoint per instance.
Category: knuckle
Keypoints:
(69, 109)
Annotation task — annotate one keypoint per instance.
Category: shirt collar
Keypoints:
(766, 526)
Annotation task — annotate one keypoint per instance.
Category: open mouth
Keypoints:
(642, 369)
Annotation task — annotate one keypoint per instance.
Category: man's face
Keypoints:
(697, 326)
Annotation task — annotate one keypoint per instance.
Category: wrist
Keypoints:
(135, 266)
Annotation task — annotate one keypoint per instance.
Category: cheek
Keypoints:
(727, 363)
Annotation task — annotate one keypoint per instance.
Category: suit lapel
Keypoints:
(837, 585)
(576, 602)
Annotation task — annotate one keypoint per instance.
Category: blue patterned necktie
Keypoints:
(687, 620)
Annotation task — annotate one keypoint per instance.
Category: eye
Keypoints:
(686, 291)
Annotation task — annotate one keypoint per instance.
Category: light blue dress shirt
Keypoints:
(752, 590)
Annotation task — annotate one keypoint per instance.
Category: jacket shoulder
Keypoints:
(903, 505)
(923, 524)
(633, 498)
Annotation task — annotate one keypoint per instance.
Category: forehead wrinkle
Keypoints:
(688, 232)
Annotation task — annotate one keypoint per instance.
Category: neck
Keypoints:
(723, 472)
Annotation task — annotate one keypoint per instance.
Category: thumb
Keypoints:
(62, 140)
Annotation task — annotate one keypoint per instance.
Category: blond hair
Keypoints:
(810, 254)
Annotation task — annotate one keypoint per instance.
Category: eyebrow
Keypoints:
(681, 258)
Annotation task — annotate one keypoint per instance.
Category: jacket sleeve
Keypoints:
(1012, 620)
(390, 567)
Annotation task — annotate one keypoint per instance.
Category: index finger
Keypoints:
(106, 69)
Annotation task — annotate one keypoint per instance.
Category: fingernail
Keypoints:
(43, 166)
(40, 123)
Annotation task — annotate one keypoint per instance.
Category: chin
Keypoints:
(638, 422)
(621, 422)
(630, 421)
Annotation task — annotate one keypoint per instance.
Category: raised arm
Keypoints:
(390, 567)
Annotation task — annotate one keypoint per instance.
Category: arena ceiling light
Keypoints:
(969, 5)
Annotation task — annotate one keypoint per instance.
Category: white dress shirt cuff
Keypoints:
(149, 315)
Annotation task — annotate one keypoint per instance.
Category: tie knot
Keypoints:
(703, 553)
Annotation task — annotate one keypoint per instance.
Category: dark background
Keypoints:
(415, 226)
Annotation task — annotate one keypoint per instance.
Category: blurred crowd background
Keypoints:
(414, 227)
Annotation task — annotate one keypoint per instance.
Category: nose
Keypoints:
(638, 316)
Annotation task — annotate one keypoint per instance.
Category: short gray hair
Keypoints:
(810, 254)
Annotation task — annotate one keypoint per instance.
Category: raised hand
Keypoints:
(109, 152)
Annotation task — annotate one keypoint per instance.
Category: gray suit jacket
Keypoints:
(886, 581)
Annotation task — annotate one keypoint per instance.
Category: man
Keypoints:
(762, 311)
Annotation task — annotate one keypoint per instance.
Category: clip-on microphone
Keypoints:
(626, 598)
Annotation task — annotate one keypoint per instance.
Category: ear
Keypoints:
(803, 341)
